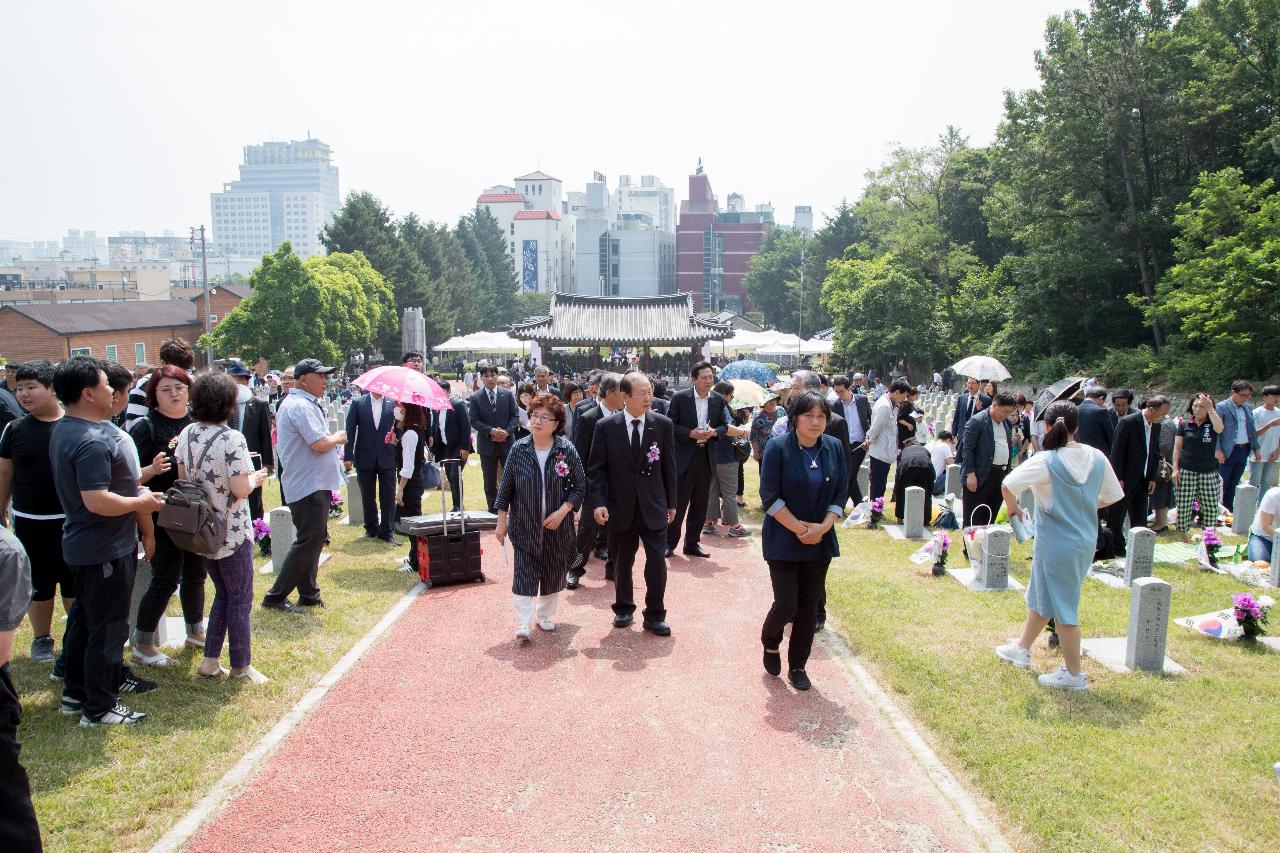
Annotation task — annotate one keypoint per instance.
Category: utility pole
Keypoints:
(204, 268)
(800, 325)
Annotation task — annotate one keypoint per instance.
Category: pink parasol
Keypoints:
(405, 385)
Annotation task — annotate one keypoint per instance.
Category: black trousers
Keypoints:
(798, 588)
(377, 514)
(903, 480)
(255, 503)
(97, 628)
(1133, 505)
(412, 505)
(988, 494)
(489, 473)
(302, 563)
(590, 536)
(879, 477)
(172, 567)
(623, 545)
(691, 499)
(19, 831)
(452, 472)
(856, 458)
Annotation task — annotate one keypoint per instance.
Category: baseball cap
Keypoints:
(310, 365)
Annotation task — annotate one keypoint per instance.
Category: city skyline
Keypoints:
(776, 108)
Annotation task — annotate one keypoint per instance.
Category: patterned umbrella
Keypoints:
(405, 385)
(756, 371)
(748, 394)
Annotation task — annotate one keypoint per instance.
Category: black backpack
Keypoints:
(188, 514)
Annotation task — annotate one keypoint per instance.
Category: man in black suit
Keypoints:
(451, 439)
(631, 481)
(591, 535)
(590, 396)
(1135, 457)
(1097, 422)
(699, 418)
(493, 413)
(856, 409)
(369, 420)
(988, 443)
(660, 402)
(252, 417)
(968, 404)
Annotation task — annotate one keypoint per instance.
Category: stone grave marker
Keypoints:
(333, 425)
(355, 505)
(993, 571)
(282, 536)
(1148, 624)
(913, 516)
(864, 481)
(952, 486)
(1141, 551)
(1246, 507)
(1275, 559)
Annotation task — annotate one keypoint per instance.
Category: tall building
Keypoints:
(286, 191)
(804, 219)
(714, 248)
(626, 239)
(540, 231)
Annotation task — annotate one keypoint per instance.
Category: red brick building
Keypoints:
(127, 332)
(714, 249)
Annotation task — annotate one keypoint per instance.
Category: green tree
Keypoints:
(283, 319)
(1224, 292)
(448, 271)
(358, 304)
(773, 283)
(487, 250)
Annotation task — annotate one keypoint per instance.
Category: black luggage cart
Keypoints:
(445, 551)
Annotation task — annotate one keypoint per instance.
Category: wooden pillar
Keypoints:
(595, 356)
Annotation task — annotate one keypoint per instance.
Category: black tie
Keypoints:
(635, 436)
(493, 401)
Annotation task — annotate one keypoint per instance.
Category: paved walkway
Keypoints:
(450, 735)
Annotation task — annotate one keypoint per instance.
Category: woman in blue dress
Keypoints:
(1071, 481)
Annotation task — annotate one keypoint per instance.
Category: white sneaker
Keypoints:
(1064, 680)
(1012, 653)
(546, 625)
(117, 716)
(523, 634)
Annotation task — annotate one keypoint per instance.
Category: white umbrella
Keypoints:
(981, 367)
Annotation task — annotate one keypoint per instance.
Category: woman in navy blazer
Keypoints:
(543, 482)
(803, 486)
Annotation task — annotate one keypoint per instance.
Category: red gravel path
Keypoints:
(451, 736)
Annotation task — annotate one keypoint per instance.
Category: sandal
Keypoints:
(222, 670)
(158, 659)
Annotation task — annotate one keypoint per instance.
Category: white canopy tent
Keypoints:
(482, 342)
(797, 347)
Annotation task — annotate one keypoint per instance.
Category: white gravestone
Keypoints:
(1140, 554)
(864, 481)
(913, 516)
(282, 536)
(1275, 559)
(952, 486)
(333, 425)
(355, 506)
(1246, 506)
(1148, 624)
(993, 571)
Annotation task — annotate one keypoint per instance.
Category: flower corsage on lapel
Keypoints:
(651, 457)
(561, 466)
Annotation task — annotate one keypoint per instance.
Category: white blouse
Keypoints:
(1078, 459)
(408, 447)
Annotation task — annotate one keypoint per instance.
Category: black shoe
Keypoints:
(285, 606)
(773, 663)
(130, 683)
(1053, 639)
(318, 602)
(799, 680)
(370, 534)
(602, 553)
(938, 570)
(622, 620)
(391, 540)
(661, 629)
(571, 582)
(819, 625)
(671, 552)
(59, 670)
(696, 551)
(609, 577)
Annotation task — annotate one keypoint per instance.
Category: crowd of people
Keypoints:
(592, 465)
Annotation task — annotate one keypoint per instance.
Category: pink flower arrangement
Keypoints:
(941, 545)
(1251, 614)
(561, 467)
(654, 453)
(877, 513)
(261, 530)
(1211, 538)
(335, 498)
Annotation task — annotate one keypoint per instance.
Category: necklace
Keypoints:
(813, 460)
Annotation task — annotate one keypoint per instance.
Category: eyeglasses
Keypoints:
(539, 418)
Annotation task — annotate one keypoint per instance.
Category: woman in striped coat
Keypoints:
(543, 482)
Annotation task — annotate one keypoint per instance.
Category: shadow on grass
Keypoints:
(631, 649)
(808, 715)
(1090, 708)
(542, 652)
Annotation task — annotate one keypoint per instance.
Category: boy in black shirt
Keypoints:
(26, 479)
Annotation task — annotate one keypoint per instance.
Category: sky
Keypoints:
(125, 116)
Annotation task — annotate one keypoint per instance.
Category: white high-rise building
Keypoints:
(540, 229)
(626, 239)
(804, 219)
(286, 191)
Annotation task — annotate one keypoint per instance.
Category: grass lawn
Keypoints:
(122, 788)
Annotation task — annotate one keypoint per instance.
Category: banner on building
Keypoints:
(529, 278)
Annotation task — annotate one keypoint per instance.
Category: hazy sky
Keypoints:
(126, 115)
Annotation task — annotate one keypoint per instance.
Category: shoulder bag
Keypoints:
(188, 514)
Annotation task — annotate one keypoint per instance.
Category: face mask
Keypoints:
(399, 413)
(243, 394)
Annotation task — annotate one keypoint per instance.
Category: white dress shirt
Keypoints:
(700, 405)
(1001, 456)
(375, 406)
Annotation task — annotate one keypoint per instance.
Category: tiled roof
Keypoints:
(500, 198)
(240, 291)
(536, 176)
(536, 214)
(826, 334)
(75, 318)
(575, 319)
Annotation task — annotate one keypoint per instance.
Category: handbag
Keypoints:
(430, 477)
(1164, 473)
(188, 515)
(741, 450)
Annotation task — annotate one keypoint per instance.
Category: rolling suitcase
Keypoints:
(443, 553)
